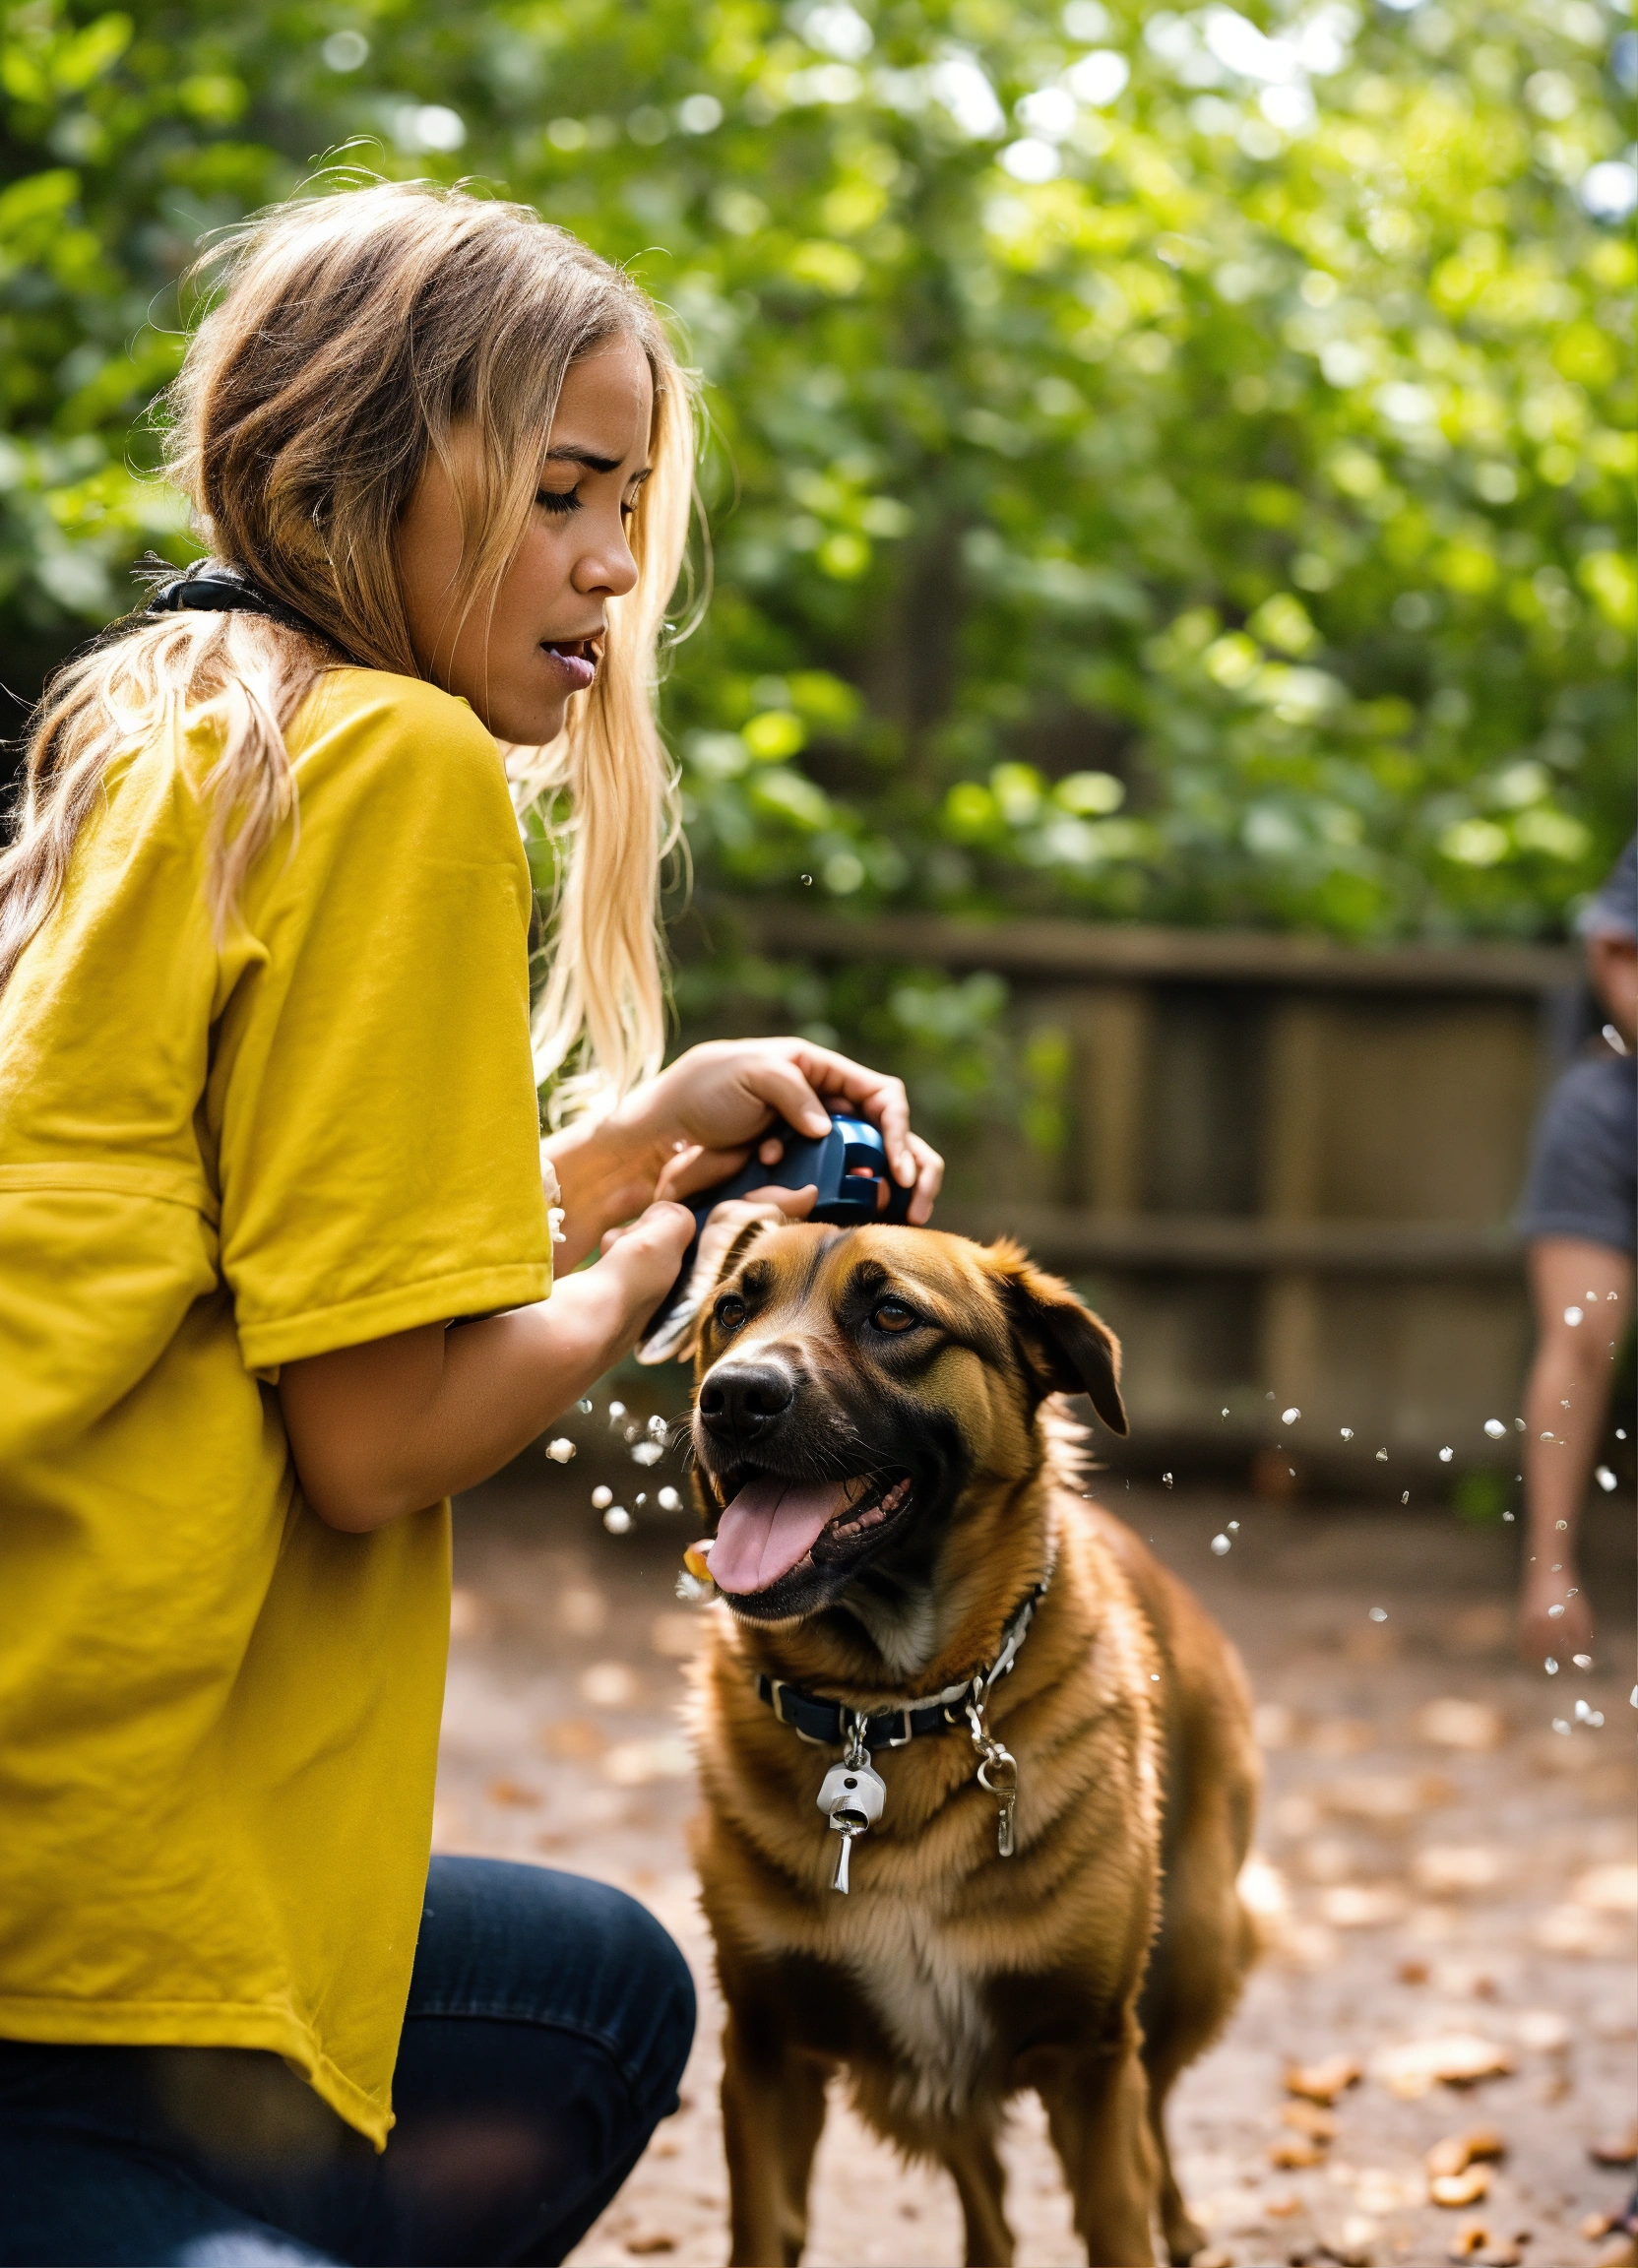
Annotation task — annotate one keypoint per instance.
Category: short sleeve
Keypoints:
(1584, 1168)
(372, 1093)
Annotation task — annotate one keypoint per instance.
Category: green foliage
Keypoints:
(1158, 468)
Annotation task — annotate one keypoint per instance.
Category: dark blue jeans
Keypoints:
(548, 2022)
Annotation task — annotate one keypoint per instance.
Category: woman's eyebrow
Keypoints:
(571, 454)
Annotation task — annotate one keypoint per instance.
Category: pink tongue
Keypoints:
(767, 1529)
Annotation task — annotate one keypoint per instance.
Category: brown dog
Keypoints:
(891, 1484)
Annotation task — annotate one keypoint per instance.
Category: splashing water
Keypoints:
(584, 1405)
(669, 1500)
(1289, 1416)
(1347, 1432)
(1445, 1456)
(646, 1453)
(617, 1520)
(1379, 1613)
(561, 1450)
(1551, 1667)
(616, 1411)
(1605, 1478)
(1572, 1316)
(1494, 1428)
(1221, 1545)
(601, 1498)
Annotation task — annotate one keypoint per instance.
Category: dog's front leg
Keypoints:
(773, 2115)
(1097, 2107)
(980, 2186)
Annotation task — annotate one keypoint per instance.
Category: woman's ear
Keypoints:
(1067, 1346)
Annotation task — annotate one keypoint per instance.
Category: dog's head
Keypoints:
(852, 1386)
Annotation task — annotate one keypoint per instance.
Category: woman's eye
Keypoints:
(730, 1313)
(558, 500)
(894, 1315)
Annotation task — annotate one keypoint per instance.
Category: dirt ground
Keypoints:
(1435, 1862)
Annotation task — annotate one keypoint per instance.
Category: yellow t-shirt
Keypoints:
(219, 1718)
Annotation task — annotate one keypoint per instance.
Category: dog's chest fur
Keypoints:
(923, 1988)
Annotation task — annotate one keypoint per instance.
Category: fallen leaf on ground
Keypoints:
(635, 1763)
(1362, 1905)
(1457, 2152)
(1212, 2257)
(1282, 2207)
(573, 1740)
(1464, 2188)
(1309, 2119)
(1384, 1799)
(1453, 1870)
(1616, 2149)
(655, 2240)
(1323, 2082)
(1469, 2241)
(1293, 2151)
(1576, 1930)
(1459, 2058)
(1342, 1736)
(1500, 2252)
(1610, 1889)
(1453, 1722)
(1542, 2029)
(1347, 2249)
(1413, 1972)
(513, 1793)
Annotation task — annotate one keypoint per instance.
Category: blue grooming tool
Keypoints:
(847, 1165)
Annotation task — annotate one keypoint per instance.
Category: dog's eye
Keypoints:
(729, 1312)
(894, 1315)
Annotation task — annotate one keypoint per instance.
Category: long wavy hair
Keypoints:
(347, 336)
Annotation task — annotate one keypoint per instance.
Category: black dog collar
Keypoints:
(829, 1724)
(213, 589)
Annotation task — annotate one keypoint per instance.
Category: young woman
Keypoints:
(267, 1130)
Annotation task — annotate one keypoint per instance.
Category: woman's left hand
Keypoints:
(706, 1110)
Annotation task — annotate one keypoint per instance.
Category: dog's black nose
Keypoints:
(744, 1399)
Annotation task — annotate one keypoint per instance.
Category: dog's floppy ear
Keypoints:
(1069, 1349)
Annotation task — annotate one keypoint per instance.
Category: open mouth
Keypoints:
(772, 1527)
(576, 658)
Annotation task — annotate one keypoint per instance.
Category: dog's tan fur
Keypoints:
(1096, 1962)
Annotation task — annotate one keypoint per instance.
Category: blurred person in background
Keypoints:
(1578, 1220)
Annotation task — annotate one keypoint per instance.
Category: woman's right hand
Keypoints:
(643, 1256)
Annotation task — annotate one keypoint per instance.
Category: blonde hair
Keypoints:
(354, 330)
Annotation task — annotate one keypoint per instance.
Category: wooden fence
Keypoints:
(1289, 1171)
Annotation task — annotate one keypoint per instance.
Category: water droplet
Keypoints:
(1507, 1515)
(1220, 1544)
(1347, 1432)
(1379, 1613)
(1233, 1526)
(1582, 1712)
(1560, 1724)
(1153, 1676)
(1225, 1413)
(659, 1427)
(1494, 1428)
(617, 1520)
(1594, 1717)
(1519, 1425)
(1381, 1456)
(669, 1500)
(1166, 1480)
(1582, 1661)
(601, 1497)
(584, 1405)
(1551, 1667)
(1445, 1456)
(807, 881)
(1289, 1416)
(1553, 1613)
(646, 1453)
(561, 1450)
(1620, 1432)
(638, 1500)
(616, 1411)
(1572, 1316)
(1605, 1478)
(1406, 1497)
